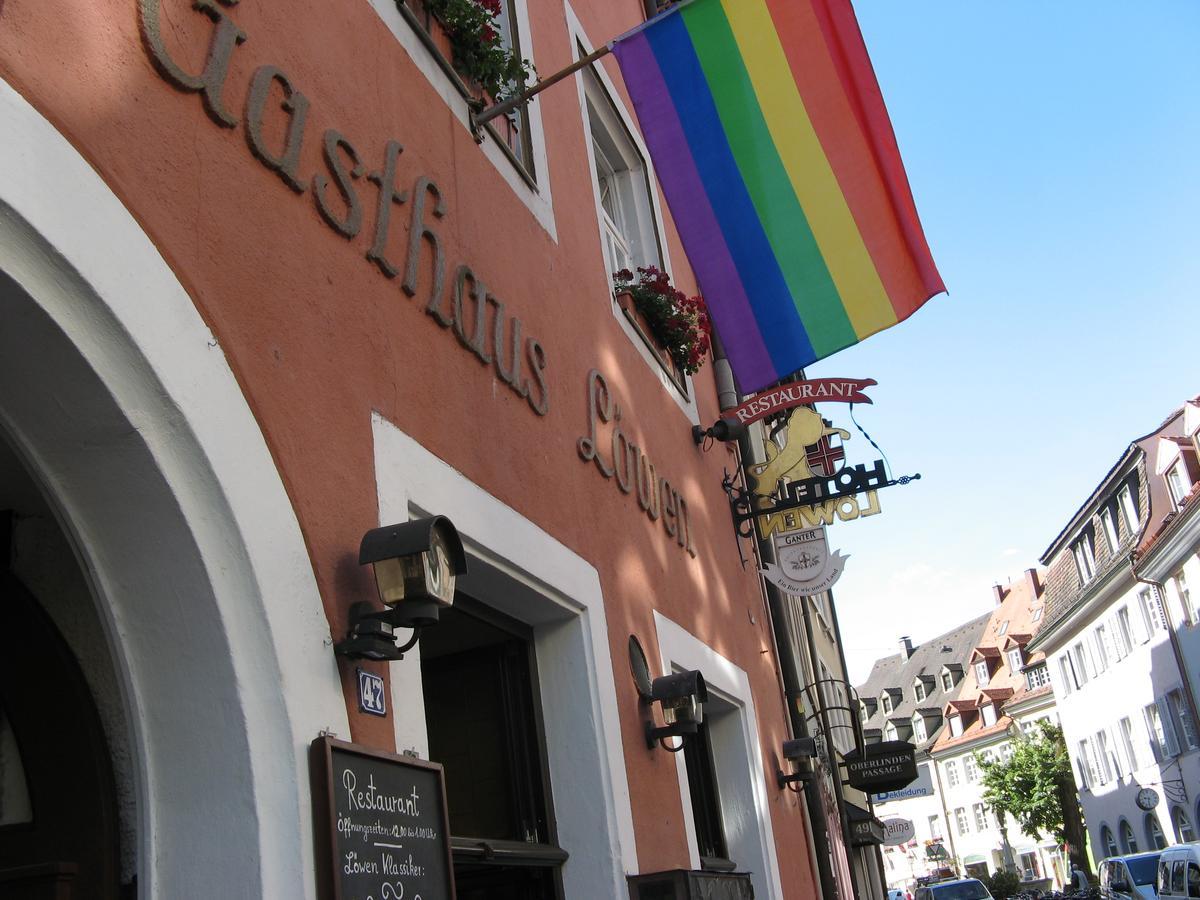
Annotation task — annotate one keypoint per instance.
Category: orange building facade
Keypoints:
(264, 290)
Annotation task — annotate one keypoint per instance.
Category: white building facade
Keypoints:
(1116, 651)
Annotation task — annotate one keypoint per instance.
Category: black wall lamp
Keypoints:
(723, 430)
(681, 697)
(416, 564)
(800, 752)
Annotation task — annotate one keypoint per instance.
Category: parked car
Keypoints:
(894, 894)
(959, 889)
(1179, 872)
(1129, 877)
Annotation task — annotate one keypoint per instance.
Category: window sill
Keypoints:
(488, 851)
(640, 325)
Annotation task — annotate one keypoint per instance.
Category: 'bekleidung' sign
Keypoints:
(887, 766)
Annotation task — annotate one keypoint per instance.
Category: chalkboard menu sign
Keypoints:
(388, 835)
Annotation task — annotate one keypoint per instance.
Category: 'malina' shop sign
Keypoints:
(478, 318)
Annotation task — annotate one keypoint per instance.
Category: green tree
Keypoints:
(1036, 787)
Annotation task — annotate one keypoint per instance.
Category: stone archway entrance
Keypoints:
(58, 803)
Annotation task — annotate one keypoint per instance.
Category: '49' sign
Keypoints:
(370, 693)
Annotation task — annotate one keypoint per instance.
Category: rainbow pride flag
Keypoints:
(774, 149)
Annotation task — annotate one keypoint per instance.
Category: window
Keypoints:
(1014, 660)
(627, 218)
(1002, 628)
(890, 732)
(1154, 833)
(1126, 729)
(479, 676)
(1108, 520)
(1085, 557)
(1181, 591)
(1083, 762)
(1183, 826)
(989, 715)
(952, 773)
(1128, 509)
(706, 804)
(1181, 716)
(1124, 633)
(1100, 639)
(960, 820)
(1006, 752)
(982, 676)
(935, 827)
(919, 734)
(981, 822)
(1109, 842)
(886, 702)
(947, 681)
(1148, 603)
(1066, 674)
(1038, 676)
(918, 690)
(1162, 737)
(1178, 484)
(1081, 662)
(1106, 761)
(1037, 613)
(970, 769)
(1129, 843)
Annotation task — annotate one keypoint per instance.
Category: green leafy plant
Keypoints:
(679, 323)
(473, 28)
(1028, 786)
(1003, 883)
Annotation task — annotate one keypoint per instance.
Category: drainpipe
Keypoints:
(1160, 589)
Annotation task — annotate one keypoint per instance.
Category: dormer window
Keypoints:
(1128, 509)
(889, 731)
(1178, 484)
(886, 702)
(956, 726)
(1002, 627)
(1015, 662)
(1108, 519)
(1084, 552)
(918, 690)
(982, 675)
(947, 681)
(989, 714)
(918, 726)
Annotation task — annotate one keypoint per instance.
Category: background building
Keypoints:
(904, 698)
(1115, 639)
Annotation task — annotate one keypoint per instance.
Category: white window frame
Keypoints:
(1084, 555)
(952, 777)
(961, 821)
(970, 769)
(1123, 634)
(1178, 483)
(1128, 509)
(1038, 676)
(737, 757)
(537, 199)
(1015, 660)
(982, 673)
(956, 726)
(578, 700)
(918, 726)
(947, 675)
(980, 813)
(988, 712)
(595, 83)
(1110, 528)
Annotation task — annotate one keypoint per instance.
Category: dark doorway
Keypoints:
(479, 675)
(61, 836)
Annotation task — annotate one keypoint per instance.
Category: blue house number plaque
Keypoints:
(370, 694)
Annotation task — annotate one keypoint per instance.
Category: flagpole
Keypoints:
(482, 118)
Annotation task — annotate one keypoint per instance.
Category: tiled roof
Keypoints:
(896, 672)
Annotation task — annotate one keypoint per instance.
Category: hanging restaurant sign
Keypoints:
(801, 393)
(805, 482)
(886, 766)
(805, 565)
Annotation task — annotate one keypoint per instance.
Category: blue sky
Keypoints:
(1054, 153)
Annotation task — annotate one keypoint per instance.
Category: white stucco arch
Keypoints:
(123, 406)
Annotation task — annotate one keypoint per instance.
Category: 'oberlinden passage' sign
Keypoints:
(388, 834)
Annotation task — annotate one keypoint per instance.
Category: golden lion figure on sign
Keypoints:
(805, 427)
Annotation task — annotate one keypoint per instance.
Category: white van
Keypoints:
(1179, 872)
(1129, 877)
